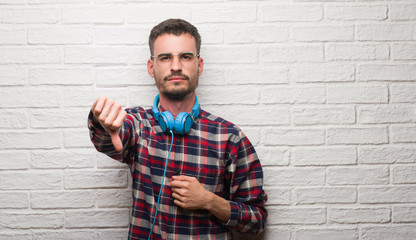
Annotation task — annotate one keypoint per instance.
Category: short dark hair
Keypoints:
(176, 27)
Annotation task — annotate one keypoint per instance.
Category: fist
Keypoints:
(110, 115)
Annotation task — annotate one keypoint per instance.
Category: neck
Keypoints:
(178, 106)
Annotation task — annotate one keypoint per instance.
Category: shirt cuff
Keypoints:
(235, 212)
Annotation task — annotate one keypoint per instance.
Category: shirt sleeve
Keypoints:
(102, 140)
(247, 197)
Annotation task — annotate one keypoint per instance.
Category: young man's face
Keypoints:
(174, 68)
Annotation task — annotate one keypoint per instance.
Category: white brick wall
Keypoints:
(325, 90)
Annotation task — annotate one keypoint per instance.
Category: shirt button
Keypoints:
(177, 172)
(169, 230)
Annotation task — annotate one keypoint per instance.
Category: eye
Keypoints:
(164, 57)
(187, 56)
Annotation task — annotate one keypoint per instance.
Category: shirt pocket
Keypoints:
(211, 179)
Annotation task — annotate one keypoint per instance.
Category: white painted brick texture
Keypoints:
(324, 89)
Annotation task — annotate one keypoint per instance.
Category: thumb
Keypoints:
(116, 140)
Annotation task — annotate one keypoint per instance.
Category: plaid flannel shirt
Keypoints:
(215, 151)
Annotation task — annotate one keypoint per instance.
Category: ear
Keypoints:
(150, 64)
(200, 65)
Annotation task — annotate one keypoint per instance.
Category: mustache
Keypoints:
(176, 74)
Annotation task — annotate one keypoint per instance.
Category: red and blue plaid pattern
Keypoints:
(215, 151)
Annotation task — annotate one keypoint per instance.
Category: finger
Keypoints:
(112, 115)
(120, 118)
(179, 203)
(177, 184)
(177, 197)
(116, 140)
(183, 178)
(106, 110)
(98, 105)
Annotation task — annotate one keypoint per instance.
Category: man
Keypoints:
(195, 175)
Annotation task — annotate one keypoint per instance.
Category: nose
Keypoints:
(176, 64)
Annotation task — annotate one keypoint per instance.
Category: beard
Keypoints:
(179, 90)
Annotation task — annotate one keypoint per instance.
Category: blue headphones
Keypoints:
(183, 122)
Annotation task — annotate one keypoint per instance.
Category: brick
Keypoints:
(278, 196)
(248, 95)
(30, 15)
(30, 55)
(4, 235)
(32, 180)
(402, 11)
(63, 199)
(354, 51)
(387, 114)
(119, 35)
(293, 95)
(253, 133)
(325, 72)
(387, 194)
(122, 76)
(273, 156)
(404, 214)
(58, 1)
(97, 14)
(29, 140)
(403, 134)
(254, 115)
(225, 13)
(98, 55)
(323, 156)
(13, 1)
(104, 161)
(14, 200)
(283, 53)
(383, 72)
(211, 34)
(85, 97)
(323, 33)
(86, 179)
(402, 93)
(386, 155)
(327, 233)
(97, 218)
(30, 220)
(402, 232)
(14, 160)
(293, 176)
(111, 234)
(139, 55)
(67, 76)
(404, 174)
(359, 215)
(357, 175)
(13, 75)
(294, 137)
(292, 215)
(357, 135)
(151, 13)
(29, 97)
(352, 93)
(13, 35)
(250, 33)
(355, 12)
(63, 159)
(403, 51)
(325, 195)
(291, 13)
(114, 198)
(51, 118)
(256, 75)
(64, 235)
(13, 119)
(230, 54)
(323, 115)
(60, 35)
(77, 138)
(384, 32)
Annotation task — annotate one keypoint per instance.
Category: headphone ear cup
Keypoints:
(183, 123)
(166, 121)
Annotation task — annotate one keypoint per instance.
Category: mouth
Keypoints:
(176, 79)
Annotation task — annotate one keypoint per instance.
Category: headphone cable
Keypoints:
(161, 186)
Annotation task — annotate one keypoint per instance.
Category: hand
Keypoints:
(189, 193)
(110, 116)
